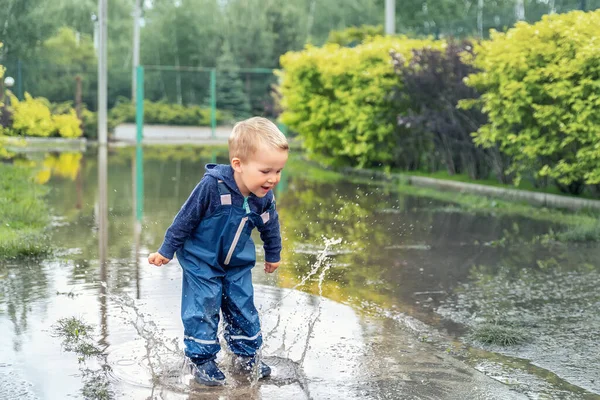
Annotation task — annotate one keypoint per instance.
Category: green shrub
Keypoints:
(166, 114)
(32, 117)
(541, 92)
(38, 117)
(68, 125)
(89, 121)
(338, 99)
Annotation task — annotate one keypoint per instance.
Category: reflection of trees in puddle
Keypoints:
(310, 212)
(21, 285)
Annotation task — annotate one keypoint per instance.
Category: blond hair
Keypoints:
(248, 135)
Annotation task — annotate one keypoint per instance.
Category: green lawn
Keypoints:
(524, 185)
(24, 214)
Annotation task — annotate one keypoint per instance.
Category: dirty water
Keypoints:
(384, 312)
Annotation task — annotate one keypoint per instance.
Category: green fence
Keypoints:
(193, 96)
(219, 97)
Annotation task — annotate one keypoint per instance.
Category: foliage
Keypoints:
(541, 86)
(64, 57)
(33, 117)
(354, 35)
(338, 99)
(230, 89)
(433, 84)
(24, 214)
(77, 336)
(499, 333)
(68, 125)
(164, 113)
(589, 232)
(3, 112)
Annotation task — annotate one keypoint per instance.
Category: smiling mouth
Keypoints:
(266, 187)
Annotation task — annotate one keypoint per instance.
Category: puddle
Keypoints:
(369, 317)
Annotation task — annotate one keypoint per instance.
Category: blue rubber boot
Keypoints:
(208, 373)
(248, 365)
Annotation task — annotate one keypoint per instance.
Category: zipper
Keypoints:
(236, 238)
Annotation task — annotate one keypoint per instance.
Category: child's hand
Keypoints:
(271, 267)
(157, 259)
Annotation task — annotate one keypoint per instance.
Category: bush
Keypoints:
(89, 122)
(338, 99)
(32, 117)
(68, 125)
(541, 92)
(165, 114)
(433, 84)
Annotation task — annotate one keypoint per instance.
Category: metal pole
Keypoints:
(102, 76)
(480, 18)
(213, 102)
(20, 95)
(139, 106)
(139, 154)
(137, 14)
(390, 17)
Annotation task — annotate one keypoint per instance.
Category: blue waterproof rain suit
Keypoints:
(211, 235)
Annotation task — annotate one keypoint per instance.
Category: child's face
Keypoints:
(261, 172)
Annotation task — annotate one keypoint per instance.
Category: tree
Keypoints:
(62, 58)
(182, 34)
(230, 89)
(354, 35)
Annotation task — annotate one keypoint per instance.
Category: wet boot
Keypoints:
(208, 373)
(248, 365)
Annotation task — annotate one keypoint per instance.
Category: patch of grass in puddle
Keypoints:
(499, 333)
(581, 226)
(580, 233)
(78, 338)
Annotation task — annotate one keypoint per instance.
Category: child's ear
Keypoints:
(236, 164)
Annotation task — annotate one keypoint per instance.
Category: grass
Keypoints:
(499, 333)
(76, 336)
(579, 226)
(523, 185)
(581, 233)
(24, 214)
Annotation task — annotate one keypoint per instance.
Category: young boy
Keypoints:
(211, 235)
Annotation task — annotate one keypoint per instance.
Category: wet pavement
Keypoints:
(384, 313)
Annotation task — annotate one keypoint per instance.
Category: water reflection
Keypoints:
(102, 221)
(401, 256)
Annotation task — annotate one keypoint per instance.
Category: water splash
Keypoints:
(168, 369)
(163, 356)
(319, 264)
